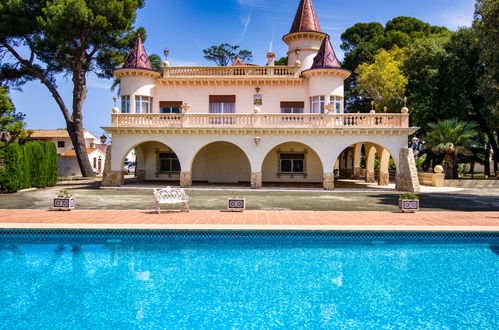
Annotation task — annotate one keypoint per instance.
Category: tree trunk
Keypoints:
(472, 169)
(486, 161)
(75, 128)
(450, 168)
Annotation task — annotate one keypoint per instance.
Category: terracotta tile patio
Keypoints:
(252, 220)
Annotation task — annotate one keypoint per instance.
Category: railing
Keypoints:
(232, 71)
(198, 120)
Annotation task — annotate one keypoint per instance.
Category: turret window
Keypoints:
(317, 104)
(125, 104)
(143, 104)
(337, 103)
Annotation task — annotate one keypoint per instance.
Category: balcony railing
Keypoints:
(198, 120)
(232, 71)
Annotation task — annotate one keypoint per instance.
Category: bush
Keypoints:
(33, 164)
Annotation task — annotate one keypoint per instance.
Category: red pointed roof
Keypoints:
(138, 58)
(326, 58)
(306, 18)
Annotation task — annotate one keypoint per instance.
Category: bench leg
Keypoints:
(158, 209)
(185, 207)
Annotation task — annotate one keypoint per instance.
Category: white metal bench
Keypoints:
(171, 195)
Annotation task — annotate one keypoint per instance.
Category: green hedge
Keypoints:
(33, 164)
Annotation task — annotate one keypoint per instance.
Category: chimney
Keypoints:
(271, 58)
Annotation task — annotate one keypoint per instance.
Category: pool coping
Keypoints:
(208, 227)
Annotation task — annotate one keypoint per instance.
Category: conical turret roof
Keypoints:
(326, 58)
(138, 59)
(306, 18)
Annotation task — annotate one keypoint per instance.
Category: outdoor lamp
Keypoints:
(103, 138)
(257, 140)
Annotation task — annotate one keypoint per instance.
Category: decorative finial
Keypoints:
(166, 51)
(372, 105)
(114, 99)
(405, 101)
(385, 109)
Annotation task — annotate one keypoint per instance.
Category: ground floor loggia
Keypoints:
(260, 161)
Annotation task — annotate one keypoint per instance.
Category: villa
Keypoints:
(67, 162)
(255, 125)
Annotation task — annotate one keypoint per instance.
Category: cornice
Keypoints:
(262, 131)
(136, 72)
(338, 72)
(313, 35)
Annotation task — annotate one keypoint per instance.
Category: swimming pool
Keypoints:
(139, 279)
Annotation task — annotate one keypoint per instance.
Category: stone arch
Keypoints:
(271, 166)
(150, 165)
(372, 151)
(221, 161)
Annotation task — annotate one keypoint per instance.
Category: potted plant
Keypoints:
(64, 201)
(236, 203)
(409, 203)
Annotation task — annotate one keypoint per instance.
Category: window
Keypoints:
(125, 104)
(317, 104)
(168, 162)
(292, 163)
(95, 162)
(170, 107)
(337, 102)
(143, 104)
(222, 103)
(292, 107)
(61, 144)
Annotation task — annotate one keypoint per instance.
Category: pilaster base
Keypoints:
(256, 180)
(384, 178)
(356, 173)
(185, 179)
(113, 179)
(141, 175)
(328, 181)
(369, 177)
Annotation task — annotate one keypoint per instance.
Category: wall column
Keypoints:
(356, 161)
(328, 181)
(256, 180)
(185, 179)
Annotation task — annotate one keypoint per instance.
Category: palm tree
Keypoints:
(156, 64)
(451, 138)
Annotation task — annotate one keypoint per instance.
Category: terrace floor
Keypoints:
(251, 220)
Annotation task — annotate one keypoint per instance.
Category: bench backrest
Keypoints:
(170, 193)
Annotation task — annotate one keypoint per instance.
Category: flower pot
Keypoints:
(64, 203)
(236, 204)
(409, 205)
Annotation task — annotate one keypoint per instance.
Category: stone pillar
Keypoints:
(370, 156)
(256, 180)
(185, 179)
(407, 173)
(384, 166)
(328, 181)
(356, 161)
(111, 178)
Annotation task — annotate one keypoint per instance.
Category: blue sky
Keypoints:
(186, 27)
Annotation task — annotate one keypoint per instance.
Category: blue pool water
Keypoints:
(103, 281)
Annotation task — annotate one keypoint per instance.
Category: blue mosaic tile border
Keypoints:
(107, 236)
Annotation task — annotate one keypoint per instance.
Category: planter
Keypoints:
(409, 205)
(236, 204)
(64, 203)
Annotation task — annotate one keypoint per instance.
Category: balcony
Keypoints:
(266, 121)
(231, 72)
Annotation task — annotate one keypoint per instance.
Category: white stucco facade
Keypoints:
(248, 124)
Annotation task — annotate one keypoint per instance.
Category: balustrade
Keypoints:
(199, 120)
(232, 71)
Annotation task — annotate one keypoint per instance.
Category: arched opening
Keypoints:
(151, 161)
(292, 164)
(221, 163)
(364, 164)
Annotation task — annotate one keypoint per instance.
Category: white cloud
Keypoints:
(94, 82)
(246, 22)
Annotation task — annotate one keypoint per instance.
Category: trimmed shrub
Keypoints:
(33, 164)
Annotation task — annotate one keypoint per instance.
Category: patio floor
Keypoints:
(251, 220)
